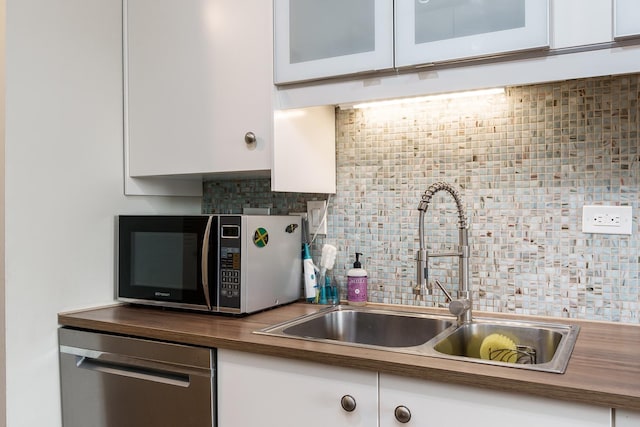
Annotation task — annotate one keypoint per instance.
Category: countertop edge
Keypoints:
(502, 379)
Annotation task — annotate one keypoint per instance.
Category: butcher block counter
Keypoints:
(604, 368)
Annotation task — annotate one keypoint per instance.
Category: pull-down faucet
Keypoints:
(460, 307)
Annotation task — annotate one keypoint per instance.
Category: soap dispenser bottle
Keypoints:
(357, 283)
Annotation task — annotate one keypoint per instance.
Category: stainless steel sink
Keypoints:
(364, 327)
(538, 346)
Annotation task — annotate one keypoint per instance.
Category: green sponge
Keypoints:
(498, 347)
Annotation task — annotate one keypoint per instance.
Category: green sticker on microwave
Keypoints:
(260, 237)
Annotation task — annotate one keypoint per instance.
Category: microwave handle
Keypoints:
(205, 262)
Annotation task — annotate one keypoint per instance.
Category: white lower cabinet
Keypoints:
(262, 390)
(268, 391)
(626, 418)
(441, 404)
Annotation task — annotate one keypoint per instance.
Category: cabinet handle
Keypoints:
(348, 403)
(250, 138)
(403, 414)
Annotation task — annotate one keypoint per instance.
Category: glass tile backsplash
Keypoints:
(525, 162)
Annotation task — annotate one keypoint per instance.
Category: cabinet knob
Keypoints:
(250, 138)
(348, 403)
(403, 414)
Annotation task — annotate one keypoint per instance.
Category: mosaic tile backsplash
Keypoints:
(525, 163)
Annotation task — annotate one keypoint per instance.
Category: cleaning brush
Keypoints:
(327, 260)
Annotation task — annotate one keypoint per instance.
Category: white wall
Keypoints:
(2, 252)
(63, 184)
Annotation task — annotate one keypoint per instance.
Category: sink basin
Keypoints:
(364, 326)
(539, 346)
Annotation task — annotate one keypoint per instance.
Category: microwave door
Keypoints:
(160, 261)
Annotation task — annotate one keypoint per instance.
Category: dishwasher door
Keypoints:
(115, 381)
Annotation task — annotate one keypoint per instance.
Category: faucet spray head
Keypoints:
(438, 186)
(422, 269)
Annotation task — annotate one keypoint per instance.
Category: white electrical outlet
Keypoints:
(317, 217)
(607, 219)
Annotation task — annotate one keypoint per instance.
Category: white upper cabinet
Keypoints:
(200, 102)
(626, 18)
(579, 35)
(316, 39)
(304, 157)
(431, 31)
(580, 23)
(193, 92)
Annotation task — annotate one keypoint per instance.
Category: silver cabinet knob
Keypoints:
(250, 138)
(403, 414)
(348, 403)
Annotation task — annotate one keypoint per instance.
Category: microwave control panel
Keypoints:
(230, 257)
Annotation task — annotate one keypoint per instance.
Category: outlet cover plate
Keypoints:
(317, 217)
(607, 219)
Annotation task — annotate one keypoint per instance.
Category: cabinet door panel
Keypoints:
(258, 390)
(626, 418)
(580, 23)
(317, 39)
(625, 18)
(435, 404)
(195, 82)
(430, 31)
(304, 158)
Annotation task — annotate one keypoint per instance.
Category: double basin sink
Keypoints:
(529, 345)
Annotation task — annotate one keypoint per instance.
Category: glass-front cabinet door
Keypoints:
(315, 39)
(431, 31)
(626, 18)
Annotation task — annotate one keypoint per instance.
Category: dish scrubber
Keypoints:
(325, 294)
(499, 347)
(328, 258)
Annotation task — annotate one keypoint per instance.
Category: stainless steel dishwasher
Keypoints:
(117, 381)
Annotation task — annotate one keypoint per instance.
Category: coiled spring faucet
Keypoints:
(460, 307)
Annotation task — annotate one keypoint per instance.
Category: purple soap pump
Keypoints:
(357, 283)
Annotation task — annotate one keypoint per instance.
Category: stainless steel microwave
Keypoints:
(215, 263)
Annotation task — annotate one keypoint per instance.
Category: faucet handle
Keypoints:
(459, 306)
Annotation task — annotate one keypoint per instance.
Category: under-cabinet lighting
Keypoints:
(289, 114)
(451, 95)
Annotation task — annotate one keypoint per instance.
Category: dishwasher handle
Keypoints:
(127, 366)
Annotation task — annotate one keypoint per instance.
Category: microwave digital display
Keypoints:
(230, 231)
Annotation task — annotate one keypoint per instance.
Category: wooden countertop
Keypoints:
(604, 368)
